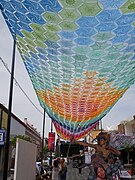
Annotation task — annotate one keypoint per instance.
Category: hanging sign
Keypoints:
(51, 141)
(2, 136)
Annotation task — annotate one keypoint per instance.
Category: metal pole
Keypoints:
(101, 125)
(1, 113)
(1, 116)
(42, 153)
(5, 173)
(71, 141)
(59, 143)
(68, 149)
(51, 126)
(51, 151)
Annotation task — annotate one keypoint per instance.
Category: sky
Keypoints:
(124, 109)
(21, 106)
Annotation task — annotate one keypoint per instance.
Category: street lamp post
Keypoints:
(9, 115)
(59, 144)
(101, 125)
(51, 150)
(42, 153)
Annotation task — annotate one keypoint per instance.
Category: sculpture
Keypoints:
(105, 155)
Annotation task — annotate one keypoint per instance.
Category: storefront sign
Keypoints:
(2, 136)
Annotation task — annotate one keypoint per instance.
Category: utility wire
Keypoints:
(17, 84)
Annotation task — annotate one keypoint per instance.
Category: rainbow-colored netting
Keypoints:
(79, 54)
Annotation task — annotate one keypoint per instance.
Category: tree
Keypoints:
(13, 141)
(45, 150)
(128, 148)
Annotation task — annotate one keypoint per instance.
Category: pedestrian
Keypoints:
(58, 160)
(80, 163)
(55, 171)
(87, 158)
(63, 170)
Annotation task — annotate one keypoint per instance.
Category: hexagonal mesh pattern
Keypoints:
(79, 54)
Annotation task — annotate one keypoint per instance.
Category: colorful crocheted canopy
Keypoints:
(79, 54)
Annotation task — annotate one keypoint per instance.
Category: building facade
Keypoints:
(18, 127)
(127, 127)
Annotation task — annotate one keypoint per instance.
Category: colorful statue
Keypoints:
(105, 155)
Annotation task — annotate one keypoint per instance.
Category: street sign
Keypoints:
(2, 136)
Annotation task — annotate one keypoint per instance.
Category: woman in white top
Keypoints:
(55, 171)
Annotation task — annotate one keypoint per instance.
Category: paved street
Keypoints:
(73, 173)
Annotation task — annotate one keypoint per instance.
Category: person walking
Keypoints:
(55, 171)
(63, 170)
(80, 163)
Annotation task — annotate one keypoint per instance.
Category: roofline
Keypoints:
(12, 115)
(18, 120)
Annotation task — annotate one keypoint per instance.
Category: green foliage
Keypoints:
(128, 148)
(13, 141)
(45, 150)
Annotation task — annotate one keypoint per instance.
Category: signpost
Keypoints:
(2, 136)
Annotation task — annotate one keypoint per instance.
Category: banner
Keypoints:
(51, 141)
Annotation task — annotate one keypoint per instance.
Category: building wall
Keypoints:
(16, 128)
(4, 119)
(92, 135)
(133, 129)
(121, 128)
(127, 127)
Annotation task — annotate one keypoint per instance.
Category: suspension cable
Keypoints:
(17, 84)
